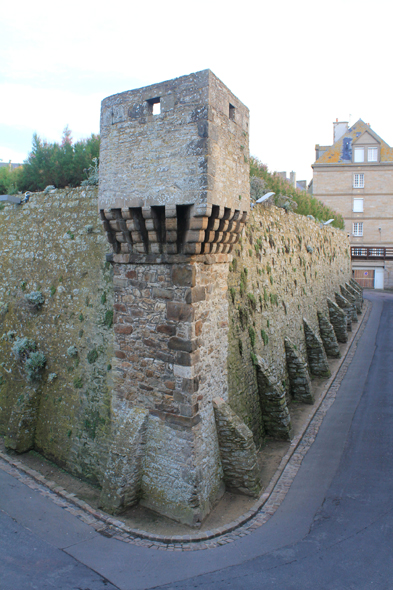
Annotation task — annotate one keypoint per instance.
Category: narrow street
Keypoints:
(333, 531)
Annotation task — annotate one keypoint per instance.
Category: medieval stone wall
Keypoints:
(283, 270)
(171, 324)
(54, 245)
(131, 406)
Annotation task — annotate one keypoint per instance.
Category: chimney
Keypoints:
(339, 129)
(292, 178)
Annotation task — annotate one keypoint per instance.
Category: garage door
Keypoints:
(365, 278)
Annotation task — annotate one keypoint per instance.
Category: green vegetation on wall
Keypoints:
(294, 268)
(287, 196)
(56, 312)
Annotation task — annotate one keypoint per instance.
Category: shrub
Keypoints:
(78, 382)
(252, 301)
(306, 204)
(251, 333)
(34, 361)
(59, 164)
(23, 347)
(108, 318)
(92, 356)
(36, 298)
(92, 173)
(243, 315)
(9, 180)
(72, 351)
(34, 365)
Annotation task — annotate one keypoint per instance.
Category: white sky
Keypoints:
(296, 65)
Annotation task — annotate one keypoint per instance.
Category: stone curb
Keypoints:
(261, 511)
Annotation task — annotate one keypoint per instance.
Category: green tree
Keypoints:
(57, 164)
(10, 179)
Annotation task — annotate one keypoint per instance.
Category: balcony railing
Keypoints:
(374, 253)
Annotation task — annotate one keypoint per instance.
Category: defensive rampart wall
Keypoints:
(217, 325)
(208, 324)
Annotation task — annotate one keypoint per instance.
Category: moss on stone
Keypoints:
(108, 318)
(92, 356)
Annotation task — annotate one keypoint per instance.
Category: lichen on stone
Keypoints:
(23, 347)
(36, 298)
(34, 365)
(72, 351)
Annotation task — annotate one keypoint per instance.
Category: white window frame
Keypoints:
(358, 205)
(357, 229)
(374, 152)
(358, 180)
(358, 155)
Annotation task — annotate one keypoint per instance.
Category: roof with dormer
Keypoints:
(341, 151)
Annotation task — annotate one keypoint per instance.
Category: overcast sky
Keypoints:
(296, 65)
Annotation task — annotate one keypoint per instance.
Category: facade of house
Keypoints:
(354, 176)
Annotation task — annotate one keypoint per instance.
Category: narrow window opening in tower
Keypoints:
(154, 105)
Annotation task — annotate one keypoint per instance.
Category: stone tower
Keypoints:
(173, 197)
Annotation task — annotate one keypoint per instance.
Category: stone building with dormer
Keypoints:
(354, 176)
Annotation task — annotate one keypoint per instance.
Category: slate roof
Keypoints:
(341, 151)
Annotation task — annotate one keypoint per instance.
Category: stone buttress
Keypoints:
(173, 198)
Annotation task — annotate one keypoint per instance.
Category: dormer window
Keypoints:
(358, 154)
(372, 154)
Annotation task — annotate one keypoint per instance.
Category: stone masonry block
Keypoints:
(347, 307)
(338, 319)
(196, 294)
(299, 377)
(123, 474)
(166, 329)
(357, 295)
(176, 343)
(328, 337)
(179, 312)
(275, 413)
(183, 276)
(158, 293)
(352, 300)
(317, 359)
(357, 288)
(123, 329)
(237, 450)
(187, 359)
(23, 421)
(190, 385)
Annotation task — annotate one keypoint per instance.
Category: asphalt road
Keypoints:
(334, 530)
